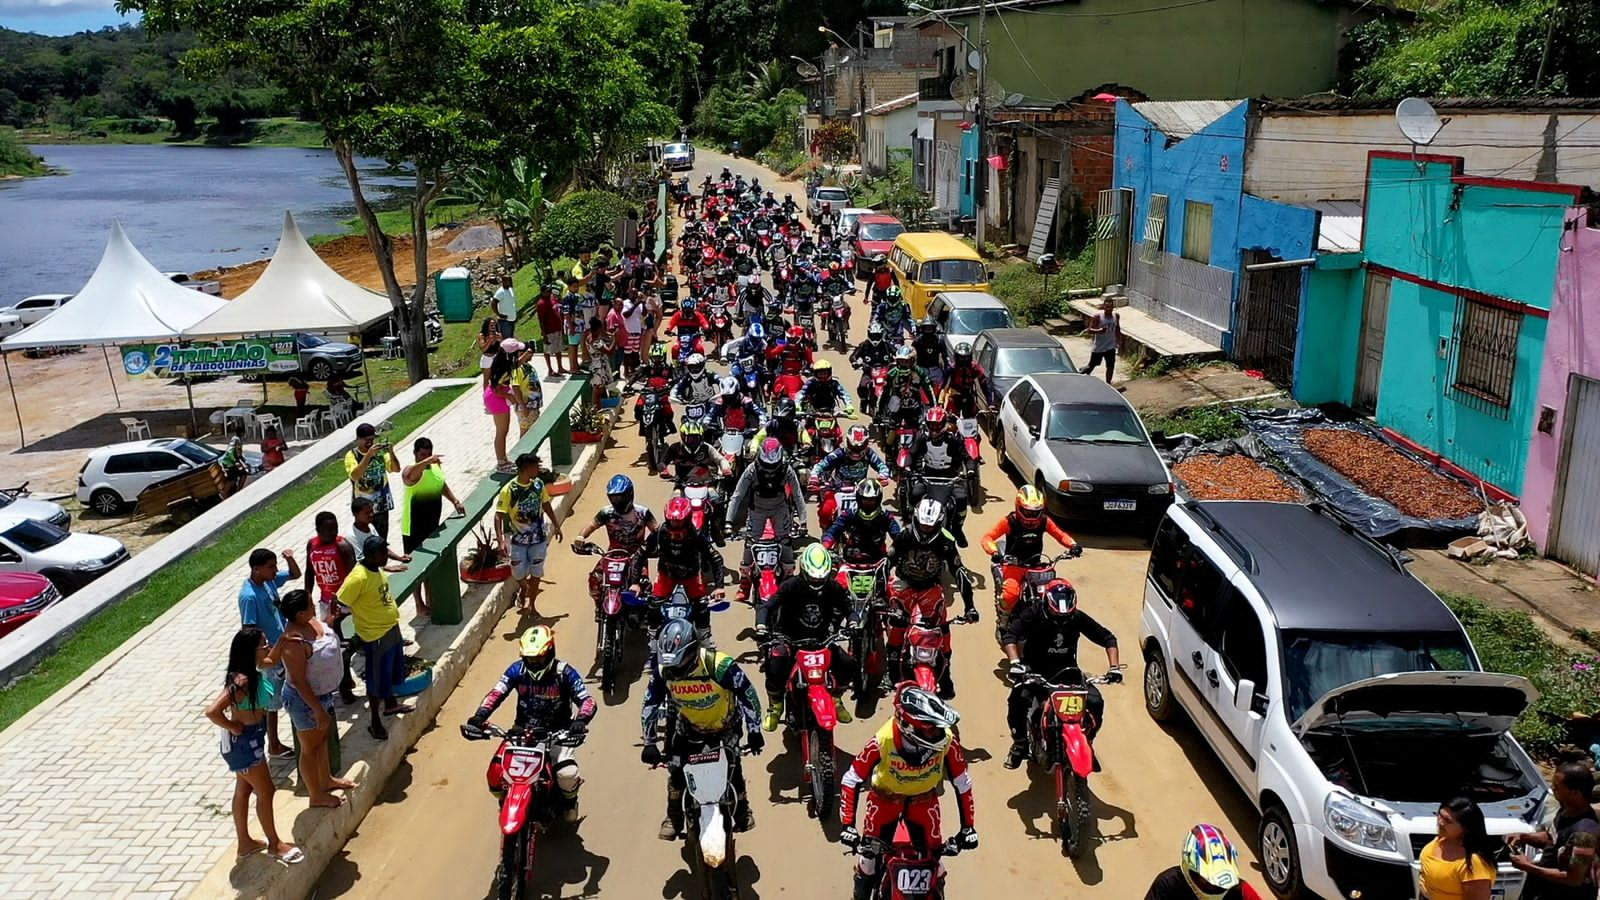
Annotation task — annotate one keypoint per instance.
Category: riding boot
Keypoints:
(1017, 753)
(672, 825)
(863, 886)
(947, 687)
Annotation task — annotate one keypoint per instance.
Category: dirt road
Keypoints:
(434, 833)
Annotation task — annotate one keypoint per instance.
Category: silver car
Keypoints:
(678, 155)
(963, 315)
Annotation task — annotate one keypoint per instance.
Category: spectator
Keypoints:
(1105, 329)
(571, 321)
(361, 528)
(309, 653)
(1565, 868)
(273, 449)
(614, 327)
(302, 390)
(527, 393)
(1459, 863)
(522, 516)
(598, 345)
(366, 592)
(580, 269)
(497, 397)
(548, 310)
(258, 606)
(368, 466)
(329, 558)
(247, 692)
(489, 337)
(505, 307)
(425, 493)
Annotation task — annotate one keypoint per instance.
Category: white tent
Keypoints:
(297, 292)
(126, 301)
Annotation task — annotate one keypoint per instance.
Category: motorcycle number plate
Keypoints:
(924, 654)
(705, 756)
(1068, 703)
(616, 567)
(766, 557)
(914, 882)
(521, 764)
(677, 612)
(863, 584)
(696, 411)
(813, 659)
(685, 340)
(826, 424)
(967, 427)
(847, 505)
(1039, 578)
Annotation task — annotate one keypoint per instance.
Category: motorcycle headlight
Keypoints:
(1357, 824)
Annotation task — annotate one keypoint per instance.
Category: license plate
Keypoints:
(1120, 505)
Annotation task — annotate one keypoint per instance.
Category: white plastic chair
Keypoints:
(137, 428)
(306, 428)
(268, 420)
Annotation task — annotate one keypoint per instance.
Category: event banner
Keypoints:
(241, 357)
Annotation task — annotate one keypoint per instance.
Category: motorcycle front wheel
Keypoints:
(516, 865)
(1073, 817)
(611, 653)
(819, 746)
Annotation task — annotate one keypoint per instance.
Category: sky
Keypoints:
(58, 16)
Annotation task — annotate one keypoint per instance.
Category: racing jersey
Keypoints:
(886, 770)
(823, 396)
(686, 463)
(1024, 541)
(944, 456)
(1049, 643)
(709, 699)
(871, 354)
(848, 469)
(681, 557)
(801, 612)
(930, 351)
(861, 539)
(626, 530)
(522, 503)
(919, 562)
(545, 702)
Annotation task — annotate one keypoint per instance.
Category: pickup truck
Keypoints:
(204, 286)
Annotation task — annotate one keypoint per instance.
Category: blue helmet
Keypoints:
(757, 331)
(619, 490)
(688, 303)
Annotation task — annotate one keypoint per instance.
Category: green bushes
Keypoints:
(581, 221)
(16, 159)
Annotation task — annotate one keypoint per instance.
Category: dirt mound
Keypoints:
(351, 256)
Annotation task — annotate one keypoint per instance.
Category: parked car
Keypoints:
(70, 560)
(678, 155)
(17, 502)
(1007, 354)
(848, 217)
(321, 359)
(872, 234)
(23, 595)
(204, 286)
(1081, 444)
(962, 315)
(31, 309)
(113, 476)
(10, 323)
(836, 197)
(1343, 696)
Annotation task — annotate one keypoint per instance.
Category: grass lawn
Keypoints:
(281, 131)
(397, 222)
(104, 633)
(1024, 289)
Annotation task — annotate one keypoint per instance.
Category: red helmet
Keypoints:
(936, 419)
(1059, 598)
(796, 333)
(922, 722)
(677, 515)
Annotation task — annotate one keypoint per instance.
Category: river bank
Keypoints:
(274, 132)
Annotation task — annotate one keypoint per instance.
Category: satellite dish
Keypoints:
(806, 70)
(963, 88)
(974, 60)
(1417, 121)
(993, 93)
(1013, 99)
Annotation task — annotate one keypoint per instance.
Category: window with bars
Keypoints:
(1197, 231)
(1155, 227)
(1485, 354)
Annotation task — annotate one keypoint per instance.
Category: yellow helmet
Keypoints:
(538, 648)
(1030, 505)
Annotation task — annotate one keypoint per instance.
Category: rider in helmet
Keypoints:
(655, 375)
(862, 536)
(697, 387)
(852, 461)
(791, 356)
(810, 606)
(687, 320)
(1023, 529)
(789, 206)
(962, 383)
(938, 453)
(753, 343)
(824, 394)
(1207, 870)
(1043, 638)
(931, 356)
(547, 689)
(903, 766)
(714, 704)
(903, 386)
(628, 526)
(693, 453)
(734, 411)
(922, 552)
(882, 279)
(768, 495)
(685, 553)
(868, 355)
(893, 313)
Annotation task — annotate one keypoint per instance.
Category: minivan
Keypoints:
(932, 262)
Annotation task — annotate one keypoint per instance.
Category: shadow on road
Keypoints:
(1036, 805)
(683, 882)
(564, 860)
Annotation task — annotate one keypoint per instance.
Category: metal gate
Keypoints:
(1575, 525)
(1113, 215)
(1374, 326)
(1269, 317)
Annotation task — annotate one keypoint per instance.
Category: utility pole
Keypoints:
(981, 176)
(861, 97)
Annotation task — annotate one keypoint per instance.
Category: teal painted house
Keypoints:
(1444, 336)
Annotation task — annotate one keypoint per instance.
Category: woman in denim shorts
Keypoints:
(247, 695)
(310, 653)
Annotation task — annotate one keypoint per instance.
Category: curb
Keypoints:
(329, 830)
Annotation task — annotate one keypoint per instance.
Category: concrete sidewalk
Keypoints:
(114, 786)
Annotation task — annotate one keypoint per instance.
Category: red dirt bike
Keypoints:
(844, 502)
(1036, 573)
(836, 321)
(869, 600)
(922, 656)
(1058, 740)
(826, 435)
(767, 570)
(904, 437)
(809, 713)
(532, 802)
(909, 873)
(618, 609)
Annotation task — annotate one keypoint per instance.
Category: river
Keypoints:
(185, 208)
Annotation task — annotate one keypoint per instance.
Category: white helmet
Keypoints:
(730, 387)
(929, 517)
(696, 359)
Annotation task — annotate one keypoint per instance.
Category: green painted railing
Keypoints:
(436, 563)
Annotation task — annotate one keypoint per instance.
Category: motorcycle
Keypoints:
(766, 562)
(908, 873)
(922, 658)
(905, 436)
(1059, 742)
(869, 604)
(681, 606)
(655, 422)
(1036, 573)
(968, 430)
(940, 488)
(732, 445)
(709, 801)
(721, 331)
(843, 494)
(809, 711)
(532, 801)
(826, 434)
(618, 606)
(838, 322)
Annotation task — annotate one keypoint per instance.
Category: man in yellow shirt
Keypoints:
(377, 619)
(368, 466)
(520, 522)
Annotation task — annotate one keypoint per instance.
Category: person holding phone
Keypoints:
(368, 465)
(1565, 867)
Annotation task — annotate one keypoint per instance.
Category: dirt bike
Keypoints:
(1058, 741)
(618, 606)
(903, 438)
(867, 584)
(838, 322)
(825, 433)
(922, 656)
(809, 712)
(1036, 573)
(767, 570)
(709, 802)
(679, 605)
(532, 801)
(909, 873)
(844, 502)
(940, 488)
(655, 423)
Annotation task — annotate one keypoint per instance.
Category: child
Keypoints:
(272, 449)
(597, 344)
(248, 694)
(528, 394)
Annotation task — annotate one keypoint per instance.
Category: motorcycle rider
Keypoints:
(1043, 638)
(893, 312)
(696, 387)
(931, 356)
(734, 411)
(1024, 529)
(868, 355)
(823, 394)
(882, 279)
(852, 461)
(902, 377)
(784, 425)
(714, 703)
(963, 381)
(656, 372)
(862, 536)
(752, 343)
(768, 493)
(628, 527)
(904, 765)
(685, 554)
(1208, 870)
(812, 605)
(921, 551)
(547, 689)
(692, 453)
(939, 453)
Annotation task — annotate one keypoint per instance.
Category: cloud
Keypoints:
(51, 8)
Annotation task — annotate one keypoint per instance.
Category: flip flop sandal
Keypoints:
(292, 856)
(285, 753)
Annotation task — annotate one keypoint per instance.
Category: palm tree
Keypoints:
(512, 194)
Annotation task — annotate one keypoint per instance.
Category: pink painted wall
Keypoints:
(1572, 347)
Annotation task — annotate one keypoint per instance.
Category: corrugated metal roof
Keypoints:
(892, 105)
(1182, 118)
(1289, 106)
(1374, 6)
(1340, 228)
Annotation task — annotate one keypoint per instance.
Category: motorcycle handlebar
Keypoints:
(565, 737)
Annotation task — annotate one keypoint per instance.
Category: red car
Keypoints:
(23, 595)
(873, 234)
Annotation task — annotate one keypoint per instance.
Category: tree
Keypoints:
(834, 141)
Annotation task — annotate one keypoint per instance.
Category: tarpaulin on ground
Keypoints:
(1282, 431)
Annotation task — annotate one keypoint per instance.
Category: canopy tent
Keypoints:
(126, 301)
(296, 292)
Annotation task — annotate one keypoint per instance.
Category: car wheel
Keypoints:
(1280, 859)
(321, 370)
(106, 502)
(1157, 686)
(998, 438)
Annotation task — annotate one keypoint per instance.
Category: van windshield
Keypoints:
(677, 148)
(1316, 662)
(951, 271)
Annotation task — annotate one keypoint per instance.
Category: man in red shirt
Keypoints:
(553, 342)
(329, 558)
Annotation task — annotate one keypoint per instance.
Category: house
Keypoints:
(889, 130)
(886, 61)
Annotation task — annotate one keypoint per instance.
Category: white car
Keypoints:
(10, 323)
(113, 476)
(1343, 696)
(31, 309)
(204, 286)
(70, 560)
(16, 502)
(848, 217)
(1078, 441)
(678, 155)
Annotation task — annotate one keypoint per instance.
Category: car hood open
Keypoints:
(1454, 701)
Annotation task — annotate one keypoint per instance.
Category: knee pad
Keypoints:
(567, 777)
(867, 865)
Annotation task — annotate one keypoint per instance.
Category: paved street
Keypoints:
(434, 833)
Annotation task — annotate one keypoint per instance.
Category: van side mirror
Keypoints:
(1244, 694)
